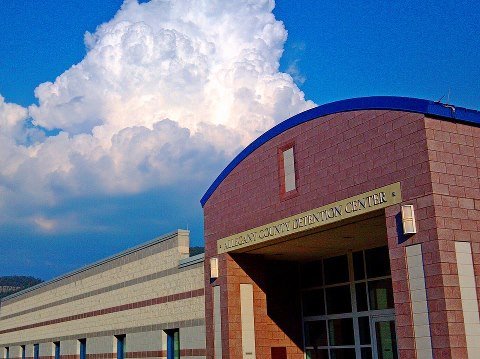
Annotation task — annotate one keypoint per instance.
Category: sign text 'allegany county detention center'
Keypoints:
(347, 208)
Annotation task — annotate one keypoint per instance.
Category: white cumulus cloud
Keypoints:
(167, 91)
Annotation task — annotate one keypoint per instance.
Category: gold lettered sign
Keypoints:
(337, 211)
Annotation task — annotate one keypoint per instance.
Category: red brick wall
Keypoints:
(454, 152)
(339, 156)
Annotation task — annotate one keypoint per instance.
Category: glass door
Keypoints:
(341, 296)
(384, 337)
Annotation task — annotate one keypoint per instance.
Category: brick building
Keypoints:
(313, 254)
(351, 230)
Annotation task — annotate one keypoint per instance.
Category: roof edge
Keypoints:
(393, 103)
(100, 262)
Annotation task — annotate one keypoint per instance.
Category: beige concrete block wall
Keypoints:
(29, 350)
(154, 341)
(174, 283)
(15, 352)
(47, 350)
(192, 337)
(175, 311)
(146, 341)
(69, 347)
(159, 256)
(113, 286)
(101, 345)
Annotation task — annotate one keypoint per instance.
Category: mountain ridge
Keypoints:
(15, 283)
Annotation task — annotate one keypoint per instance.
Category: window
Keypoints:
(340, 296)
(57, 350)
(36, 351)
(7, 352)
(288, 170)
(83, 348)
(173, 344)
(121, 349)
(23, 351)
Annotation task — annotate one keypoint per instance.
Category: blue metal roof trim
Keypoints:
(457, 114)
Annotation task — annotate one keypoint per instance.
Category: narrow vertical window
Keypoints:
(7, 352)
(57, 350)
(121, 348)
(23, 351)
(36, 351)
(173, 344)
(83, 348)
(289, 170)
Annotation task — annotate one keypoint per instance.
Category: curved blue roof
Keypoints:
(436, 109)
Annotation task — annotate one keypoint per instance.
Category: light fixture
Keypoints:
(408, 219)
(213, 268)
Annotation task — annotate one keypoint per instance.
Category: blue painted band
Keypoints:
(456, 114)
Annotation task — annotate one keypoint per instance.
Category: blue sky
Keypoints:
(106, 159)
(402, 48)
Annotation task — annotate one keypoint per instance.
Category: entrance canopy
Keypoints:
(353, 234)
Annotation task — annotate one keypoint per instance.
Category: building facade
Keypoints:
(147, 302)
(351, 230)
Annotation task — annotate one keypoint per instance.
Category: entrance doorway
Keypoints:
(347, 306)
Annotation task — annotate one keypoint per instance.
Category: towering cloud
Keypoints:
(168, 91)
